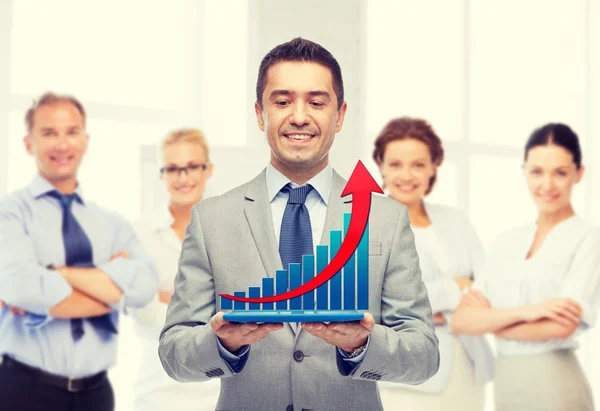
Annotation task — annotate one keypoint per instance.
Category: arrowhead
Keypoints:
(361, 181)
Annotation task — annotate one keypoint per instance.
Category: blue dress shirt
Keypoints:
(316, 203)
(30, 240)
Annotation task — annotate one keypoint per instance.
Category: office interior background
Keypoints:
(484, 73)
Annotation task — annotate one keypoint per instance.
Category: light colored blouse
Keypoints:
(449, 248)
(154, 389)
(566, 265)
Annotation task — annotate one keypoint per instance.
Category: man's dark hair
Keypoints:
(300, 50)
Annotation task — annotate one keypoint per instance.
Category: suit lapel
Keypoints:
(260, 220)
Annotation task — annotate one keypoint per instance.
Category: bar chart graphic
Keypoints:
(342, 298)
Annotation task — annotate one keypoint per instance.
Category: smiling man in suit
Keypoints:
(236, 239)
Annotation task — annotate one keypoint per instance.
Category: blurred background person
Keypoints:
(408, 153)
(185, 169)
(66, 268)
(540, 286)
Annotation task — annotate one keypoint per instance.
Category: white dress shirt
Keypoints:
(449, 248)
(316, 200)
(566, 265)
(154, 390)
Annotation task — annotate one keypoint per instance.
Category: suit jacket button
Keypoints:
(298, 356)
(219, 372)
(210, 374)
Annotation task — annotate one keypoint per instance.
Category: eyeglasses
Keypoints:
(174, 171)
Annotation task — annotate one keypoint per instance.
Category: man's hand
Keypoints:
(12, 309)
(463, 282)
(235, 335)
(348, 335)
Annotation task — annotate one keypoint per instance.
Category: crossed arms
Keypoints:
(128, 278)
(555, 318)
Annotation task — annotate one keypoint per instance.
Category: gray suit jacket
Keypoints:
(230, 245)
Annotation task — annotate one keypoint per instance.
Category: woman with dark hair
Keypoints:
(539, 286)
(408, 153)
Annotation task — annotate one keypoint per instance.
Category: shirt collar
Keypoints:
(40, 186)
(321, 182)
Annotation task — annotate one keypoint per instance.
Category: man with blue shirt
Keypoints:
(67, 267)
(236, 239)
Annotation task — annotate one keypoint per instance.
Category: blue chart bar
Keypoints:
(268, 290)
(254, 292)
(335, 284)
(362, 266)
(226, 304)
(348, 289)
(322, 290)
(281, 287)
(349, 273)
(308, 273)
(295, 282)
(239, 305)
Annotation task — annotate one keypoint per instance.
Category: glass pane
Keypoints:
(21, 166)
(133, 53)
(414, 64)
(225, 99)
(527, 68)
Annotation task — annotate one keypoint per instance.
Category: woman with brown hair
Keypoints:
(408, 153)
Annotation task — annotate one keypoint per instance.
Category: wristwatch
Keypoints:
(356, 352)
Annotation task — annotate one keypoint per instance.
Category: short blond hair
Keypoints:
(188, 135)
(47, 99)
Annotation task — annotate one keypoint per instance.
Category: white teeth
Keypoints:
(299, 136)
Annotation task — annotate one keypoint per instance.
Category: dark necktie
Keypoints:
(295, 239)
(78, 253)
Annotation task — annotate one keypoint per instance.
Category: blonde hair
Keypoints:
(188, 135)
(47, 99)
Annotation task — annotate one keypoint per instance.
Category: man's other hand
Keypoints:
(235, 335)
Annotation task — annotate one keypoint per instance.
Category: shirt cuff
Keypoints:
(122, 271)
(235, 361)
(54, 290)
(358, 359)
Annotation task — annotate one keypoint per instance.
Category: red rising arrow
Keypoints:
(360, 185)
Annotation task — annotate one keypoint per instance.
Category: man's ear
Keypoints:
(340, 117)
(28, 145)
(259, 116)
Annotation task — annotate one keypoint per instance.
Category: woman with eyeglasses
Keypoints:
(408, 153)
(185, 169)
(540, 286)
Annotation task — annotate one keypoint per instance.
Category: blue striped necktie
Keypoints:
(295, 239)
(78, 253)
